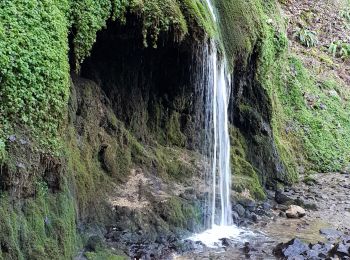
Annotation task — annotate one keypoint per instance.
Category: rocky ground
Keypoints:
(310, 220)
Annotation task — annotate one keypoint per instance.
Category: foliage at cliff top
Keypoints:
(156, 16)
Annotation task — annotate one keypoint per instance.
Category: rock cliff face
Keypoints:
(101, 119)
(153, 96)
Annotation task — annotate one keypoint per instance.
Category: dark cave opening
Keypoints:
(146, 86)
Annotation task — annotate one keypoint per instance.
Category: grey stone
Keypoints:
(296, 248)
(239, 209)
(12, 138)
(330, 232)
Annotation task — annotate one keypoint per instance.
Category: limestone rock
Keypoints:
(295, 211)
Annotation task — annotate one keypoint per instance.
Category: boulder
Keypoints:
(282, 198)
(247, 203)
(239, 209)
(292, 249)
(295, 211)
(235, 217)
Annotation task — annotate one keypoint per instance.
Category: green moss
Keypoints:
(199, 12)
(271, 75)
(88, 17)
(34, 67)
(157, 16)
(240, 22)
(322, 120)
(245, 176)
(180, 213)
(302, 129)
(173, 131)
(104, 254)
(174, 163)
(40, 228)
(3, 153)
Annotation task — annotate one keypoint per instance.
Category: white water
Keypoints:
(219, 82)
(221, 155)
(217, 85)
(211, 236)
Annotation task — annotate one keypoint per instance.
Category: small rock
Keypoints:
(293, 248)
(295, 211)
(254, 217)
(248, 214)
(247, 203)
(248, 248)
(23, 141)
(343, 248)
(266, 206)
(20, 165)
(312, 254)
(12, 138)
(333, 93)
(322, 249)
(330, 232)
(226, 242)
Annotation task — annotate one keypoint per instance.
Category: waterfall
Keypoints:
(213, 82)
(217, 86)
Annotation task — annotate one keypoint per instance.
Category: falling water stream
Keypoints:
(219, 82)
(217, 85)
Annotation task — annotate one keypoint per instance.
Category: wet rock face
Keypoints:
(250, 111)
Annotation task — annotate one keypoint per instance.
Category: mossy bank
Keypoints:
(99, 95)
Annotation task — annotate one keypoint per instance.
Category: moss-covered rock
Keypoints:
(245, 176)
(38, 228)
(180, 214)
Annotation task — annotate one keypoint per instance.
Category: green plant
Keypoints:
(333, 48)
(34, 70)
(2, 152)
(345, 13)
(306, 37)
(339, 49)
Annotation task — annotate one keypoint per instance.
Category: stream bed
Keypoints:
(326, 221)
